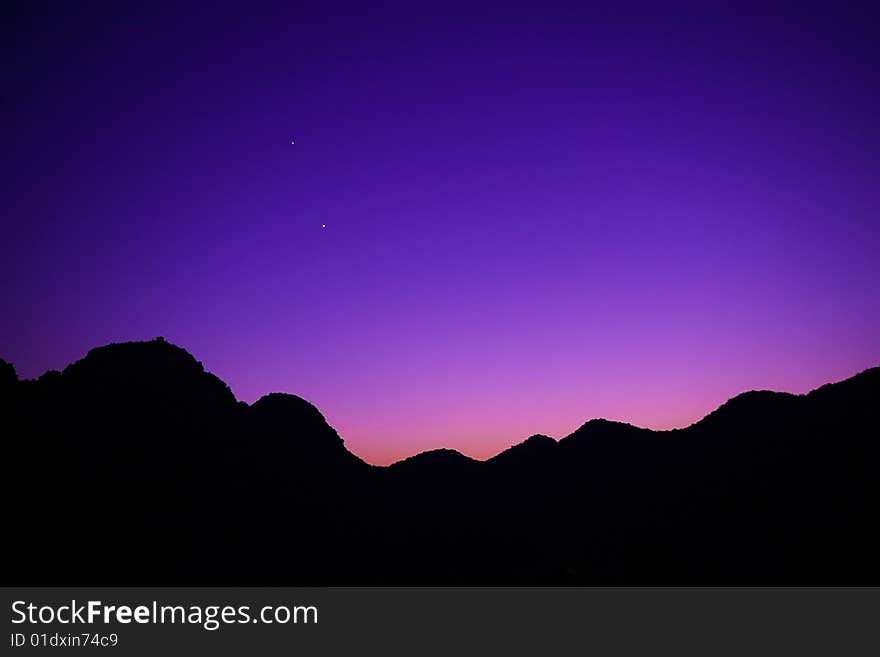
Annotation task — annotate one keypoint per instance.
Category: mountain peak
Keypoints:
(151, 369)
(753, 406)
(151, 356)
(538, 439)
(530, 449)
(443, 458)
(602, 426)
(284, 405)
(298, 428)
(239, 490)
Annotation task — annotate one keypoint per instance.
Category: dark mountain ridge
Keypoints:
(134, 464)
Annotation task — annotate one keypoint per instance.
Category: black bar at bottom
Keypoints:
(454, 621)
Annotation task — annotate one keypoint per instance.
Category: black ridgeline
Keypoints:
(136, 466)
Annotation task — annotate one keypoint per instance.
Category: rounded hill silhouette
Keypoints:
(148, 471)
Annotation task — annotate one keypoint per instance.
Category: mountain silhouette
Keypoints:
(134, 465)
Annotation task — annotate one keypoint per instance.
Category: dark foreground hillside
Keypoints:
(134, 466)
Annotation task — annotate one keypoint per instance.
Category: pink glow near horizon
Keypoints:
(485, 229)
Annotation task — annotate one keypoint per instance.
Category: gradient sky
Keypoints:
(533, 216)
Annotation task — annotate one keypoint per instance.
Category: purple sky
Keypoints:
(532, 218)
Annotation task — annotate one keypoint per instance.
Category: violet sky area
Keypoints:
(449, 226)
